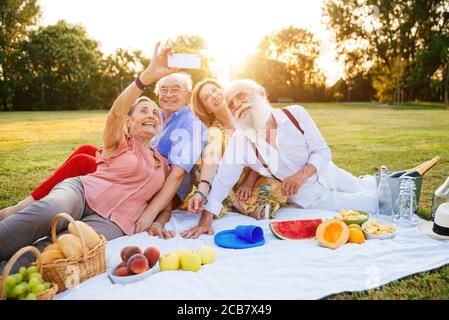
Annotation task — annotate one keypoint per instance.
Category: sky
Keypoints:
(231, 28)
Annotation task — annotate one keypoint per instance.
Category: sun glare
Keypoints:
(232, 29)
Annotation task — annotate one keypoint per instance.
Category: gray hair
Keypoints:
(159, 129)
(138, 100)
(185, 79)
(243, 84)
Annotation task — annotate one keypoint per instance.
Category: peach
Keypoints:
(122, 272)
(138, 263)
(152, 254)
(127, 252)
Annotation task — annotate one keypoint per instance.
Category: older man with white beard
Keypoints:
(287, 145)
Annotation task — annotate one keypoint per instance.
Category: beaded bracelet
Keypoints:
(201, 194)
(207, 182)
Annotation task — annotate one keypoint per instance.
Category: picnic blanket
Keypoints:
(280, 269)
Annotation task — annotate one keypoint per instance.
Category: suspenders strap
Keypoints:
(262, 161)
(292, 119)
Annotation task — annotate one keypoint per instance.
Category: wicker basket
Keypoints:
(68, 273)
(45, 295)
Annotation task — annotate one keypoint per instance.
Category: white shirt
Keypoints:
(294, 151)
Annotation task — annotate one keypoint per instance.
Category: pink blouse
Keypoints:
(124, 183)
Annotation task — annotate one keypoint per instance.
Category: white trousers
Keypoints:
(338, 189)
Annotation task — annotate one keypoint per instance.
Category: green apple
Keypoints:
(191, 262)
(183, 251)
(206, 253)
(169, 261)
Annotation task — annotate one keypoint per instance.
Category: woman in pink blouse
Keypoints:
(112, 199)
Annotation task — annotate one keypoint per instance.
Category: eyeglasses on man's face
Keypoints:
(173, 92)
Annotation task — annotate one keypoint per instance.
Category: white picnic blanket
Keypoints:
(278, 270)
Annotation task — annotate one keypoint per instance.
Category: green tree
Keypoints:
(193, 44)
(285, 63)
(382, 31)
(430, 70)
(59, 68)
(16, 18)
(117, 71)
(357, 88)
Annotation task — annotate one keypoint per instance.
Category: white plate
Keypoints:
(382, 237)
(134, 278)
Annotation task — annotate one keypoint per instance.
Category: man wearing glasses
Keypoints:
(181, 142)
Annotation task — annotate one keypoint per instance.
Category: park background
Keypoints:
(373, 75)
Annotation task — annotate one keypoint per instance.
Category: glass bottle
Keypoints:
(440, 196)
(384, 195)
(406, 204)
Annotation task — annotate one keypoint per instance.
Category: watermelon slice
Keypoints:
(295, 229)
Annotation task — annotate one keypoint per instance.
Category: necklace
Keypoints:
(218, 124)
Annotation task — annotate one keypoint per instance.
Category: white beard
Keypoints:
(257, 117)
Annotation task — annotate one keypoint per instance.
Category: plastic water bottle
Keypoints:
(384, 195)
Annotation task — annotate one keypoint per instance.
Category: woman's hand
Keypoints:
(204, 226)
(158, 67)
(244, 192)
(157, 229)
(143, 223)
(195, 232)
(196, 203)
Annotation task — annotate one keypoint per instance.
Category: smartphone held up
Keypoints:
(184, 61)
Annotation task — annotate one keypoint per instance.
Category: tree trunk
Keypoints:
(42, 95)
(446, 87)
(5, 104)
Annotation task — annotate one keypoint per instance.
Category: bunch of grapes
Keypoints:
(26, 284)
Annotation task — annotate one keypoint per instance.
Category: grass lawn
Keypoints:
(361, 136)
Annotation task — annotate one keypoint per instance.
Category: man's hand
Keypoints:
(204, 226)
(292, 184)
(157, 229)
(196, 203)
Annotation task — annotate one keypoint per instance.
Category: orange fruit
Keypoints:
(355, 226)
(356, 236)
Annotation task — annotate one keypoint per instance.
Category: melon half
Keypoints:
(332, 233)
(295, 229)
